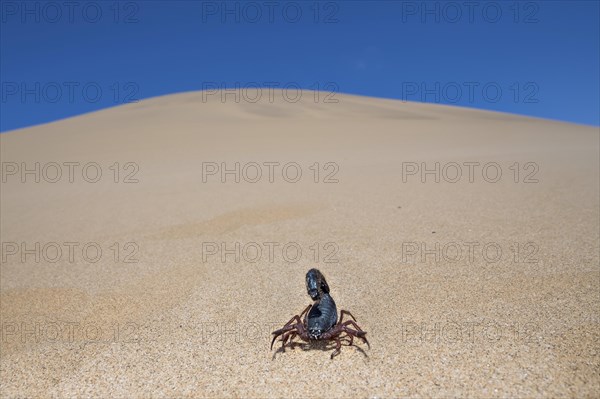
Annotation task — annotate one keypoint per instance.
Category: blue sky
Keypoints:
(539, 58)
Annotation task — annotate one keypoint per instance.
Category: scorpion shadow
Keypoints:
(317, 345)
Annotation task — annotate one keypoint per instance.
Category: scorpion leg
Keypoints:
(342, 313)
(351, 339)
(305, 310)
(360, 333)
(285, 329)
(289, 335)
(353, 324)
(292, 335)
(341, 322)
(297, 318)
(338, 347)
(290, 332)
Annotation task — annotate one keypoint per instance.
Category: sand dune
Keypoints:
(480, 285)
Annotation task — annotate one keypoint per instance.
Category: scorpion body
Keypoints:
(320, 319)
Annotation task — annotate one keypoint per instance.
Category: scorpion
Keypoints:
(320, 321)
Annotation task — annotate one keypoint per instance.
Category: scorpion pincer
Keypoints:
(320, 321)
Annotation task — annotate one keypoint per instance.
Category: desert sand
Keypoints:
(479, 285)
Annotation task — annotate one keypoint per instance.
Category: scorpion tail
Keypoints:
(316, 285)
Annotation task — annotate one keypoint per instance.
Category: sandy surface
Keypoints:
(166, 311)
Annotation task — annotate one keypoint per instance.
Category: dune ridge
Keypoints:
(160, 313)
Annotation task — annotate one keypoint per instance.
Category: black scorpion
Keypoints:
(321, 322)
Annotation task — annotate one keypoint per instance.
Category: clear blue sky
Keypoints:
(539, 58)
